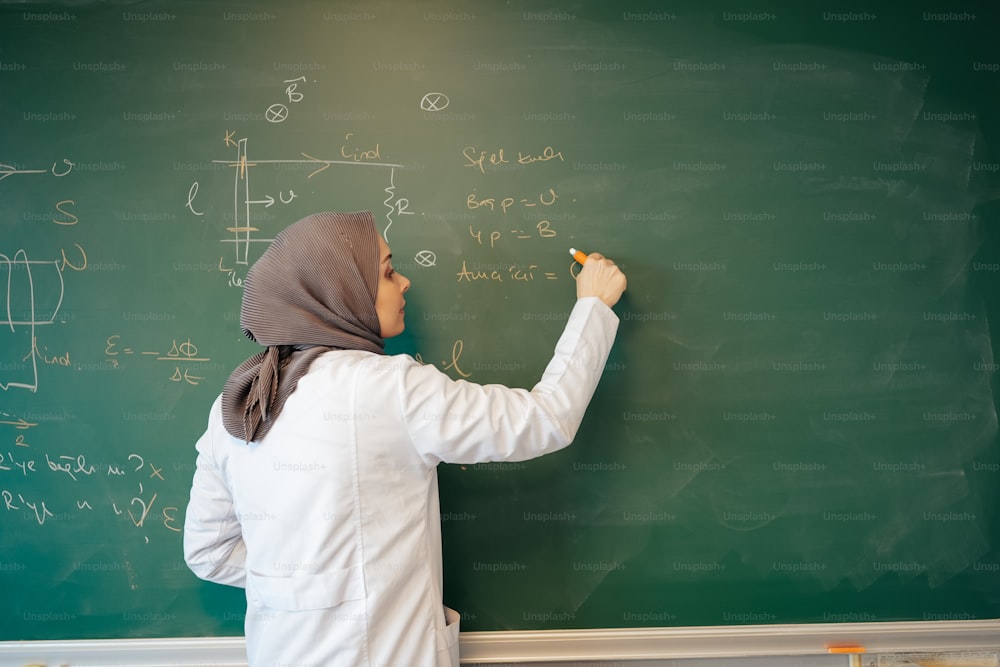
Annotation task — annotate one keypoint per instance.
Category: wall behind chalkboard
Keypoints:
(798, 422)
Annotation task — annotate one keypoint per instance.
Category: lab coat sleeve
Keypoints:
(213, 541)
(456, 421)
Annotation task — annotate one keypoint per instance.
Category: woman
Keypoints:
(316, 482)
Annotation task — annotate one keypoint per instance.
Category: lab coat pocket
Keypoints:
(447, 639)
(301, 591)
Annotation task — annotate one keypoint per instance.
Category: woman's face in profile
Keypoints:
(389, 300)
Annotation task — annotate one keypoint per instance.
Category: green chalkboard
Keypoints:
(798, 423)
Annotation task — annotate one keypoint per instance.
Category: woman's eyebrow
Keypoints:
(387, 258)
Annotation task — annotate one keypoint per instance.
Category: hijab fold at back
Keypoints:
(312, 290)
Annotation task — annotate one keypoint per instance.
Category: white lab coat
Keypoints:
(332, 521)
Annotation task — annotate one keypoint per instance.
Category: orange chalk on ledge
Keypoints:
(845, 649)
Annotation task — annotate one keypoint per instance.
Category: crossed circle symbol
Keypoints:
(426, 258)
(276, 113)
(434, 102)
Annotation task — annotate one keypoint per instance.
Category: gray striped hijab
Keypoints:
(311, 291)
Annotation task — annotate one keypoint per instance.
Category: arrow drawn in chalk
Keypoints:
(20, 424)
(10, 170)
(268, 201)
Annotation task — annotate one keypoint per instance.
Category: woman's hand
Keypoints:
(602, 278)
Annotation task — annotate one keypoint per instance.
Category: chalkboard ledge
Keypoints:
(555, 646)
(725, 641)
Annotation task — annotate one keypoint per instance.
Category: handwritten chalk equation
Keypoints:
(183, 355)
(496, 203)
